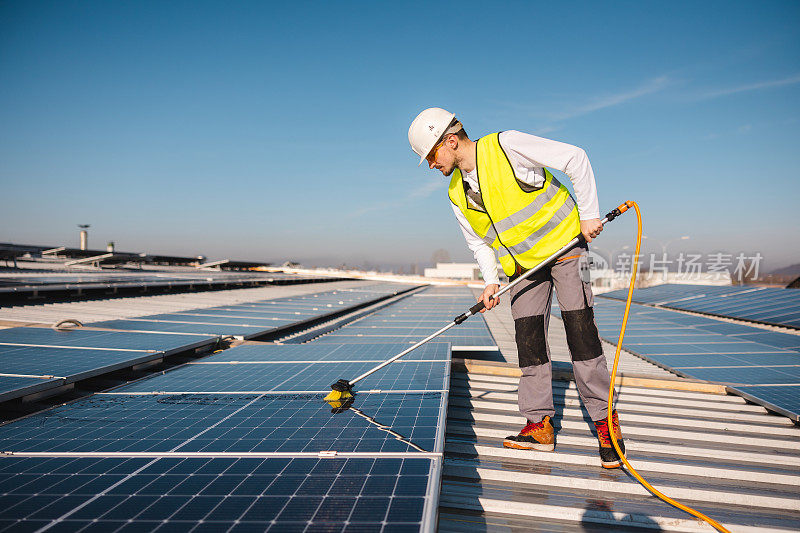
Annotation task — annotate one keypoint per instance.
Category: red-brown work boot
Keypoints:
(534, 436)
(608, 454)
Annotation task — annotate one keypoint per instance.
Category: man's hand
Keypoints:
(486, 297)
(591, 228)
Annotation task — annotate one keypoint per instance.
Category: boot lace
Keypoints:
(532, 426)
(602, 432)
(602, 429)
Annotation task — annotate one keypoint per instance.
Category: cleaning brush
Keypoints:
(341, 391)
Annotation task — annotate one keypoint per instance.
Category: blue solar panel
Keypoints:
(408, 340)
(67, 362)
(413, 319)
(172, 327)
(750, 375)
(221, 320)
(14, 387)
(252, 319)
(784, 398)
(439, 351)
(102, 339)
(218, 494)
(286, 423)
(762, 304)
(395, 489)
(255, 377)
(717, 359)
(705, 349)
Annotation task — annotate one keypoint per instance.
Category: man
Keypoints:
(511, 208)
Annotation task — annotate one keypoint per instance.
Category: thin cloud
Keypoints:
(424, 191)
(427, 189)
(768, 84)
(652, 86)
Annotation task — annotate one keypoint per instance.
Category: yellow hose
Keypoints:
(716, 525)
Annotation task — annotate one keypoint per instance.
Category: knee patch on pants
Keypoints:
(582, 336)
(531, 340)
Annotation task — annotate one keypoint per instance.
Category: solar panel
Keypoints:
(763, 304)
(454, 339)
(67, 362)
(77, 354)
(784, 398)
(16, 386)
(220, 494)
(102, 339)
(233, 423)
(219, 320)
(252, 319)
(140, 326)
(439, 351)
(413, 319)
(289, 377)
(702, 348)
(217, 456)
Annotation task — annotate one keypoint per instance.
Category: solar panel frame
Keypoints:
(16, 386)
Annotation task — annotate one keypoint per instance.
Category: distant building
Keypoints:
(467, 271)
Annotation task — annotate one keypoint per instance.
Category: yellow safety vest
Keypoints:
(523, 228)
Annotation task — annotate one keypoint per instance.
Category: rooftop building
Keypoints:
(205, 407)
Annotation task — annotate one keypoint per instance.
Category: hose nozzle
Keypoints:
(617, 211)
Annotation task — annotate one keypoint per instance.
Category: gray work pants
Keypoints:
(530, 306)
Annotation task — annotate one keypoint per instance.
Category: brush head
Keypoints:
(341, 390)
(341, 396)
(342, 386)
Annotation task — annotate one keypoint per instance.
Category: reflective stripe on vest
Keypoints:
(531, 225)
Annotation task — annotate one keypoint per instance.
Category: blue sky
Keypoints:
(268, 131)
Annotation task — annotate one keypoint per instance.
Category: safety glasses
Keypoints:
(431, 157)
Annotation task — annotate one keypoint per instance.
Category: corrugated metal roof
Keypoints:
(732, 460)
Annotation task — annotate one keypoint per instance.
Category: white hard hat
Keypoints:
(426, 130)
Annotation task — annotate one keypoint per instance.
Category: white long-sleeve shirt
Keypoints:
(528, 155)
